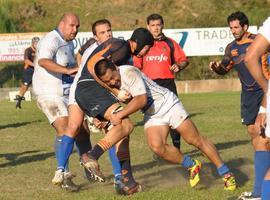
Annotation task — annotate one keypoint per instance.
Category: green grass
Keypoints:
(27, 161)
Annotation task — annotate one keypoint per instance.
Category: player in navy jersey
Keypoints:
(96, 101)
(251, 94)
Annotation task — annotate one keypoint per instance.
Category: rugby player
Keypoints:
(102, 31)
(54, 67)
(162, 111)
(251, 95)
(29, 56)
(98, 102)
(161, 63)
(260, 45)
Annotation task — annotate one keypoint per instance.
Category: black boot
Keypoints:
(19, 99)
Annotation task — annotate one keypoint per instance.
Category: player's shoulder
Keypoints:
(230, 45)
(50, 39)
(252, 36)
(128, 69)
(28, 49)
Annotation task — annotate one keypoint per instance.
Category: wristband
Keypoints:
(262, 110)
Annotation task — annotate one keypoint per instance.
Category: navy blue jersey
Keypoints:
(119, 52)
(234, 58)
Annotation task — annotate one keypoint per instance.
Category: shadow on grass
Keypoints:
(18, 124)
(170, 175)
(15, 159)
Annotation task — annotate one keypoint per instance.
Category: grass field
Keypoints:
(27, 161)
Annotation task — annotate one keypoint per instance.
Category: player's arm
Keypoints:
(255, 51)
(27, 61)
(136, 88)
(224, 66)
(181, 60)
(46, 55)
(51, 66)
(78, 58)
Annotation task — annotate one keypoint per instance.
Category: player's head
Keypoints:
(34, 42)
(238, 23)
(143, 40)
(69, 26)
(101, 30)
(108, 73)
(155, 24)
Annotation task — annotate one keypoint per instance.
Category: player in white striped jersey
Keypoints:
(162, 111)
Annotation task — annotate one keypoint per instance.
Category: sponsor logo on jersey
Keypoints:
(159, 58)
(234, 52)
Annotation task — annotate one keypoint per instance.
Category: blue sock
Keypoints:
(261, 165)
(65, 149)
(115, 162)
(266, 190)
(187, 162)
(223, 169)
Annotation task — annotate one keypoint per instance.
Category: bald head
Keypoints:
(69, 25)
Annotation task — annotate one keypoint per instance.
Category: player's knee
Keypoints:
(127, 126)
(251, 131)
(157, 148)
(73, 129)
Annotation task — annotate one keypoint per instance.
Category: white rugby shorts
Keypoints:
(53, 106)
(173, 117)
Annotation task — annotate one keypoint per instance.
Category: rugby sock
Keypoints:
(99, 149)
(175, 138)
(65, 149)
(115, 163)
(223, 170)
(266, 190)
(261, 165)
(127, 173)
(57, 142)
(187, 162)
(83, 145)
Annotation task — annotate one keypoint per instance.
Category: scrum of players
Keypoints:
(109, 73)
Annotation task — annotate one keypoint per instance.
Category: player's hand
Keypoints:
(116, 119)
(260, 124)
(97, 123)
(124, 96)
(175, 68)
(214, 64)
(72, 71)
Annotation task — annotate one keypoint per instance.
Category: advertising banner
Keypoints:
(194, 41)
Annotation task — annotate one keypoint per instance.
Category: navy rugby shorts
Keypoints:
(250, 104)
(93, 99)
(27, 76)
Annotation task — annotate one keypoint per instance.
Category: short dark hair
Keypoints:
(238, 16)
(99, 22)
(154, 16)
(102, 66)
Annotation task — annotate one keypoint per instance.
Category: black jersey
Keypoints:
(118, 51)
